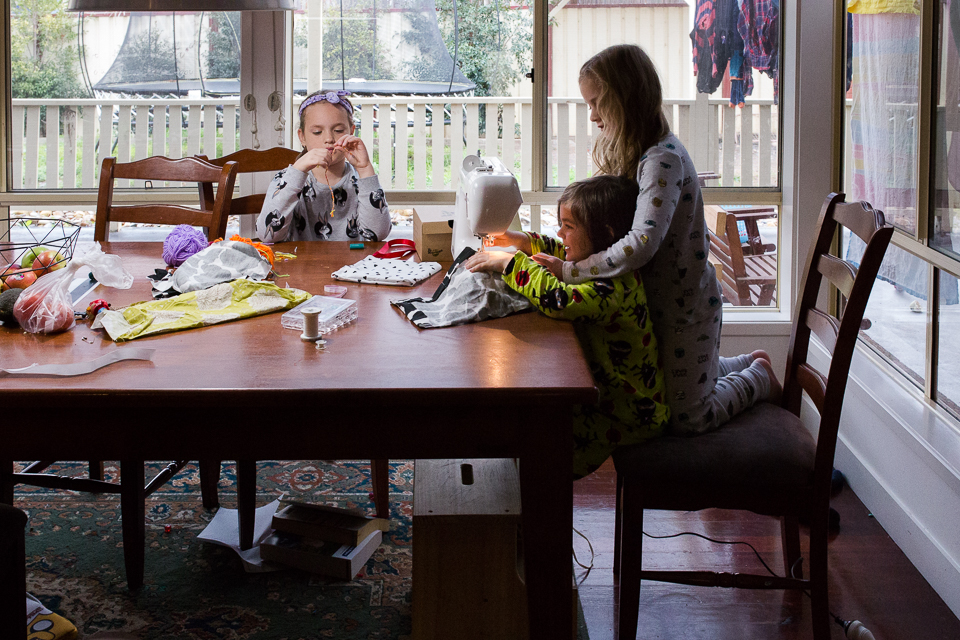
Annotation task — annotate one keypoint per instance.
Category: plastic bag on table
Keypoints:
(45, 306)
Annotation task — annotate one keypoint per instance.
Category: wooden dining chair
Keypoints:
(134, 492)
(255, 161)
(248, 161)
(158, 169)
(764, 460)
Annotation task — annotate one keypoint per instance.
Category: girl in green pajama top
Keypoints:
(610, 315)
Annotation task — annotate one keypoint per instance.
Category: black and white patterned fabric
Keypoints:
(402, 273)
(220, 262)
(464, 297)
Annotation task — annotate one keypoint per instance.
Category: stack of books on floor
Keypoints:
(327, 540)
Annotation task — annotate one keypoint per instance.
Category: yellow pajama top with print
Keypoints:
(612, 322)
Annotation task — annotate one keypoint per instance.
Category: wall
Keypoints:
(901, 457)
(662, 31)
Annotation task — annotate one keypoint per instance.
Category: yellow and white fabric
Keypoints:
(220, 303)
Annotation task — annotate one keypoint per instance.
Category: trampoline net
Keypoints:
(373, 47)
(369, 47)
(165, 53)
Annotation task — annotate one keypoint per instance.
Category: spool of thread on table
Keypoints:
(311, 324)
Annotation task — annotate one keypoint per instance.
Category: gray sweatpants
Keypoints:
(705, 390)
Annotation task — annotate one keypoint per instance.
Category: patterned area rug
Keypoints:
(197, 590)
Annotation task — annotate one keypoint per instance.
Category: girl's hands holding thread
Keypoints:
(356, 152)
(552, 264)
(313, 158)
(489, 261)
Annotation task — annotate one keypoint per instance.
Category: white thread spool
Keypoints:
(311, 324)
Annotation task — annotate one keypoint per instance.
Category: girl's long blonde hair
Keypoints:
(630, 102)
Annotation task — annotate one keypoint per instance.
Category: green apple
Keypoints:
(26, 260)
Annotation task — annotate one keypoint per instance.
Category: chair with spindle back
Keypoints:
(764, 460)
(255, 161)
(248, 161)
(211, 216)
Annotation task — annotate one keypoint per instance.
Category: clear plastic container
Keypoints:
(334, 313)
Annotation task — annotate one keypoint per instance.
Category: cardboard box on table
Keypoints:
(433, 232)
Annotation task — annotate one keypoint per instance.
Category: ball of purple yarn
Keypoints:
(183, 242)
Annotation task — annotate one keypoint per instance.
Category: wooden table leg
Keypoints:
(546, 494)
(380, 479)
(13, 586)
(209, 483)
(133, 514)
(6, 481)
(246, 500)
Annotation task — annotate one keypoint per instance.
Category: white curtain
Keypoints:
(884, 86)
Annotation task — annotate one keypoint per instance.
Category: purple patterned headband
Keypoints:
(333, 97)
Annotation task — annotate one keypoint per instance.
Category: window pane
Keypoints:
(946, 161)
(743, 250)
(700, 82)
(895, 321)
(96, 84)
(881, 151)
(433, 80)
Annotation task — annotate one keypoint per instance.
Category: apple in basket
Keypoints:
(26, 260)
(20, 279)
(4, 272)
(48, 261)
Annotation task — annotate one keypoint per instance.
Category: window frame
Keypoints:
(540, 194)
(919, 244)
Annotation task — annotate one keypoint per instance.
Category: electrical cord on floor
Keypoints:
(577, 560)
(852, 629)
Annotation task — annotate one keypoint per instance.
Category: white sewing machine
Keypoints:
(487, 202)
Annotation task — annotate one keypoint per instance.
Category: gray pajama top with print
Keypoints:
(669, 243)
(297, 207)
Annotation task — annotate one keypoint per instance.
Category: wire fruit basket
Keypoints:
(27, 239)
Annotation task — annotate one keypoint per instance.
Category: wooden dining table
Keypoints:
(253, 390)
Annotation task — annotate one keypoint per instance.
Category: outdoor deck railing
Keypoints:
(416, 156)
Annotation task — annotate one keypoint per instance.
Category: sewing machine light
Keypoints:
(488, 198)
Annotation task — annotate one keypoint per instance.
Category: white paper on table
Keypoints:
(81, 368)
(224, 530)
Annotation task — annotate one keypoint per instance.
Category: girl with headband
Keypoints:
(332, 191)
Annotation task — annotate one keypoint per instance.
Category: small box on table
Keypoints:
(433, 232)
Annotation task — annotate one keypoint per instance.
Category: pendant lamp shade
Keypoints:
(180, 5)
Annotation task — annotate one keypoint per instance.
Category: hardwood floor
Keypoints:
(871, 580)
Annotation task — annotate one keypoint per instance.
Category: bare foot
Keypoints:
(760, 354)
(776, 389)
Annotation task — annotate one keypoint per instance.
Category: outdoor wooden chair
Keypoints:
(159, 169)
(254, 161)
(764, 460)
(248, 161)
(746, 266)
